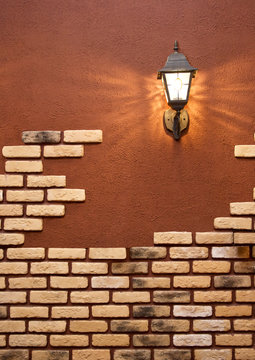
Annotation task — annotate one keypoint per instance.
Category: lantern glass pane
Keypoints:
(178, 85)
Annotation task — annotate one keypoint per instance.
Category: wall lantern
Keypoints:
(176, 77)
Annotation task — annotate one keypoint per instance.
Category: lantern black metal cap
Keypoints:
(176, 62)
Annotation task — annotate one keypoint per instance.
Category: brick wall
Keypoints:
(190, 296)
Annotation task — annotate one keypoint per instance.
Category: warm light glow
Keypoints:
(178, 85)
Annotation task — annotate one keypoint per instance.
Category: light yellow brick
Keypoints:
(103, 340)
(107, 253)
(204, 354)
(242, 208)
(24, 195)
(211, 325)
(11, 180)
(12, 239)
(12, 297)
(171, 237)
(66, 195)
(48, 297)
(21, 151)
(83, 136)
(69, 340)
(47, 326)
(90, 297)
(214, 238)
(151, 340)
(244, 238)
(25, 253)
(192, 282)
(58, 151)
(231, 252)
(211, 266)
(192, 340)
(1, 195)
(72, 312)
(91, 354)
(233, 340)
(127, 354)
(131, 297)
(46, 181)
(27, 312)
(89, 268)
(188, 252)
(244, 354)
(192, 311)
(113, 311)
(244, 150)
(27, 340)
(11, 210)
(1, 254)
(212, 296)
(86, 326)
(244, 325)
(13, 268)
(151, 283)
(245, 295)
(12, 326)
(110, 282)
(2, 284)
(233, 223)
(67, 253)
(130, 326)
(2, 340)
(24, 166)
(45, 210)
(23, 224)
(170, 267)
(49, 267)
(68, 282)
(28, 283)
(233, 310)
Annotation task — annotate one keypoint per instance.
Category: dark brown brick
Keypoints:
(147, 252)
(123, 326)
(172, 325)
(245, 267)
(132, 354)
(14, 355)
(3, 312)
(130, 268)
(151, 340)
(232, 281)
(172, 355)
(171, 296)
(149, 311)
(50, 355)
(41, 137)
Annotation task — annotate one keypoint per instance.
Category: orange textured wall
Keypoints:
(92, 65)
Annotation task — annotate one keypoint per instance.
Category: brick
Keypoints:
(48, 297)
(151, 340)
(23, 224)
(244, 354)
(113, 311)
(2, 283)
(129, 267)
(25, 253)
(87, 326)
(46, 181)
(244, 238)
(89, 268)
(171, 296)
(12, 239)
(110, 282)
(83, 136)
(171, 237)
(192, 282)
(213, 354)
(28, 312)
(188, 252)
(11, 210)
(151, 283)
(242, 208)
(27, 340)
(233, 310)
(14, 354)
(45, 210)
(237, 252)
(192, 340)
(123, 326)
(40, 137)
(1, 195)
(11, 180)
(233, 223)
(50, 355)
(12, 297)
(211, 325)
(245, 295)
(107, 253)
(172, 354)
(21, 151)
(24, 166)
(13, 268)
(110, 340)
(47, 267)
(72, 312)
(131, 297)
(247, 267)
(214, 238)
(91, 354)
(2, 340)
(47, 326)
(1, 254)
(3, 312)
(28, 283)
(68, 282)
(170, 267)
(59, 151)
(147, 252)
(66, 195)
(132, 354)
(233, 340)
(212, 296)
(171, 325)
(90, 297)
(150, 311)
(192, 311)
(232, 281)
(67, 253)
(244, 150)
(211, 266)
(69, 340)
(244, 325)
(12, 326)
(24, 195)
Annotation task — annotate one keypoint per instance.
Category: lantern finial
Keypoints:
(176, 46)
